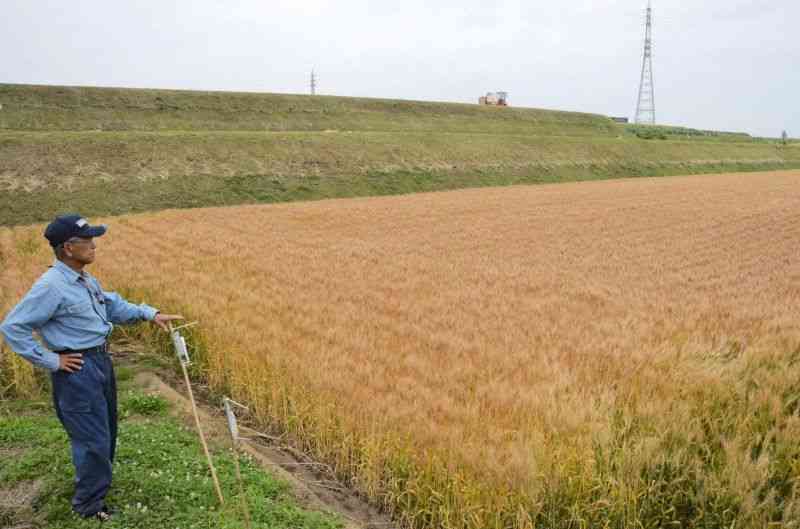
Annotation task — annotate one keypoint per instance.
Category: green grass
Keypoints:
(664, 131)
(28, 107)
(136, 403)
(160, 477)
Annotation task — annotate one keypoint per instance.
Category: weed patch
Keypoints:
(137, 403)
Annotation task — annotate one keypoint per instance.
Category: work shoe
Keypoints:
(105, 514)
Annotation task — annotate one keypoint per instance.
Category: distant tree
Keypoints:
(785, 137)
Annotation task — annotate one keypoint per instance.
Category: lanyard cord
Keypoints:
(92, 297)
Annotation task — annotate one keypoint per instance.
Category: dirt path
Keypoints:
(311, 483)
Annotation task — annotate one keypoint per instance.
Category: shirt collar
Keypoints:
(70, 274)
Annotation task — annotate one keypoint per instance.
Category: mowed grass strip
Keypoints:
(621, 353)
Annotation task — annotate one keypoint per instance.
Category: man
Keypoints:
(74, 318)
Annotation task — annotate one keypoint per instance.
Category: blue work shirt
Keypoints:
(70, 311)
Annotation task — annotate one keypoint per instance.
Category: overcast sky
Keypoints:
(718, 64)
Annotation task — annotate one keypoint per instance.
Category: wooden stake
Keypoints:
(235, 442)
(200, 429)
(242, 494)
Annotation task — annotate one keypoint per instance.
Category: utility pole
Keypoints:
(646, 104)
(313, 83)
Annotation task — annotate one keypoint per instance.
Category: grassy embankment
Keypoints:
(114, 151)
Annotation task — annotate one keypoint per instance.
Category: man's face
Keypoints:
(80, 249)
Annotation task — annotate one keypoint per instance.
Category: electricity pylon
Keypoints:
(646, 105)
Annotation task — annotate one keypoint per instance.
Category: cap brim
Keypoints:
(93, 231)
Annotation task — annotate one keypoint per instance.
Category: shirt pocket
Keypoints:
(79, 308)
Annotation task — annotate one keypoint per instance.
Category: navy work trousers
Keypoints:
(86, 405)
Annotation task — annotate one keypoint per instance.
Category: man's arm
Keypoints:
(35, 309)
(121, 311)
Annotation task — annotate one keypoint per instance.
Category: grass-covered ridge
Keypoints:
(115, 151)
(29, 107)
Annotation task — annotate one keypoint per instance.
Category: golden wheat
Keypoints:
(460, 356)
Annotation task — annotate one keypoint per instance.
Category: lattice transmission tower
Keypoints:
(646, 104)
(313, 83)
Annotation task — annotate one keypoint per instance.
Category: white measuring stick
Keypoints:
(183, 356)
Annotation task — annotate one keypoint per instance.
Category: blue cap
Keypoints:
(65, 227)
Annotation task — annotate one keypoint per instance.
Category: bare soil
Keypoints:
(16, 503)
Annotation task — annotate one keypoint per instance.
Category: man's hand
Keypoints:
(71, 363)
(162, 319)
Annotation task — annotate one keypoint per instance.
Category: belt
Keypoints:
(100, 349)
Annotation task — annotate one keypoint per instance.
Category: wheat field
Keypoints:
(622, 353)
